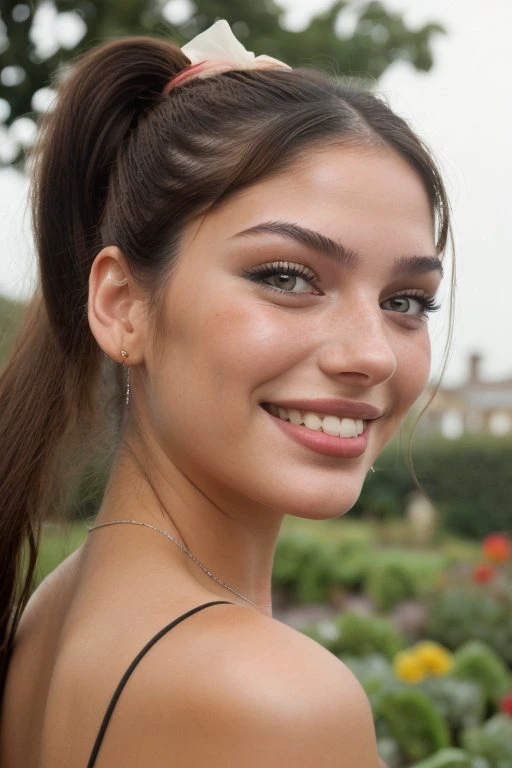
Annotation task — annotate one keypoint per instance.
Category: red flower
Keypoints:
(506, 704)
(497, 547)
(483, 573)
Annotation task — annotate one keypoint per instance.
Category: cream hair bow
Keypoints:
(218, 43)
(217, 50)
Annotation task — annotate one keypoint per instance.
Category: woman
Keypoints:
(258, 250)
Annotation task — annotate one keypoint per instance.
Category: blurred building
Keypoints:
(477, 406)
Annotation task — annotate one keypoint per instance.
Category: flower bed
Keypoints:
(445, 700)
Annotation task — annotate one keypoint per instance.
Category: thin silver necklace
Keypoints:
(181, 546)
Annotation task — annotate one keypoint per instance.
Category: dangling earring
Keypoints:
(124, 355)
(372, 468)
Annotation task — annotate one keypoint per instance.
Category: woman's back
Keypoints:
(75, 643)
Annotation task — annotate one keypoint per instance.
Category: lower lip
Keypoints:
(328, 445)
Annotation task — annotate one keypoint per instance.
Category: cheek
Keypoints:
(412, 371)
(248, 342)
(220, 351)
(407, 384)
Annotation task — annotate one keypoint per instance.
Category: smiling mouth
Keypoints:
(335, 426)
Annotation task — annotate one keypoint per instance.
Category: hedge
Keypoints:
(469, 480)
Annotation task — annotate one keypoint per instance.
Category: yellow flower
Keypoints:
(434, 659)
(408, 668)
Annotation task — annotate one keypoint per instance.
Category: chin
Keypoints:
(325, 503)
(324, 514)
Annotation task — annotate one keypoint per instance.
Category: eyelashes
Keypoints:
(283, 272)
(403, 299)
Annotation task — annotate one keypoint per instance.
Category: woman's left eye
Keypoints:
(407, 304)
(283, 277)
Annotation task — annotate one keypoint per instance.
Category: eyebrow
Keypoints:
(316, 241)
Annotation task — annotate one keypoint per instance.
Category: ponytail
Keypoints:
(49, 386)
(37, 408)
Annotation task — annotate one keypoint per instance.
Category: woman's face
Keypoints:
(303, 298)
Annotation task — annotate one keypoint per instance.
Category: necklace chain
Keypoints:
(181, 546)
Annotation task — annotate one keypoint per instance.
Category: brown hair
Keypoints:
(120, 164)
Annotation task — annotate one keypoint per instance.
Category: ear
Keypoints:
(116, 307)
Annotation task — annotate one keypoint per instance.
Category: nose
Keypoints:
(357, 347)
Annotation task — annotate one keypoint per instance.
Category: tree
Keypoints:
(376, 39)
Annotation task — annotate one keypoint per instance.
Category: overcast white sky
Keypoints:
(463, 109)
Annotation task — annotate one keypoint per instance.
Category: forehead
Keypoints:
(360, 196)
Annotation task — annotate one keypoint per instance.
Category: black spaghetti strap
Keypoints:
(124, 679)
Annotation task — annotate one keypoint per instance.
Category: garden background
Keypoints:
(411, 589)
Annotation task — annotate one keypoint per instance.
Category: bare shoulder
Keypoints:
(52, 591)
(254, 692)
(42, 617)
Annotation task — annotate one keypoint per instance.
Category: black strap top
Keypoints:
(124, 679)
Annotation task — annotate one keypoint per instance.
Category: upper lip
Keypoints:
(332, 406)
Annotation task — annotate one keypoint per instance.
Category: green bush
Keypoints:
(479, 662)
(459, 614)
(460, 702)
(414, 723)
(390, 583)
(349, 561)
(452, 758)
(308, 567)
(300, 567)
(375, 673)
(351, 634)
(428, 721)
(492, 741)
(468, 479)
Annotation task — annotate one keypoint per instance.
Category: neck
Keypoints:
(234, 539)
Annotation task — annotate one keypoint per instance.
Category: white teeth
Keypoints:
(312, 421)
(331, 425)
(295, 416)
(348, 428)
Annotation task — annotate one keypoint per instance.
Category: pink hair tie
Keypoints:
(200, 70)
(183, 75)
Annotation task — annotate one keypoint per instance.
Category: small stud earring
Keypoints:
(124, 355)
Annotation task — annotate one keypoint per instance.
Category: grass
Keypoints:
(58, 541)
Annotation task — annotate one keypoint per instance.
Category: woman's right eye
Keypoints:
(287, 282)
(283, 277)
